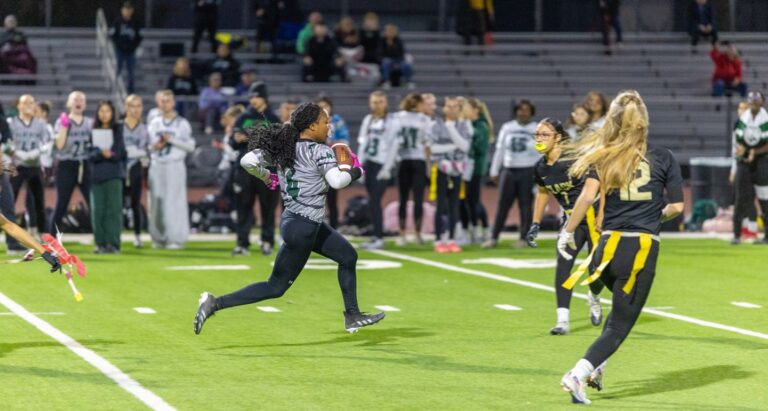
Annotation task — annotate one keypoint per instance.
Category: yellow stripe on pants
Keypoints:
(608, 253)
(646, 241)
(433, 183)
(592, 226)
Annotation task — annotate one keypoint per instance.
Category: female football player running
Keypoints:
(551, 175)
(631, 179)
(306, 168)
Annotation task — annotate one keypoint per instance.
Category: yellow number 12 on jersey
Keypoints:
(642, 177)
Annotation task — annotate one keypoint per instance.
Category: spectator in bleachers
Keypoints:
(268, 16)
(597, 104)
(702, 22)
(107, 175)
(322, 59)
(339, 134)
(206, 19)
(11, 33)
(473, 18)
(348, 39)
(393, 58)
(308, 32)
(247, 77)
(126, 36)
(370, 38)
(227, 65)
(181, 83)
(578, 121)
(286, 109)
(212, 103)
(609, 17)
(728, 70)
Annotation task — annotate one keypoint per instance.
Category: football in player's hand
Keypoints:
(343, 156)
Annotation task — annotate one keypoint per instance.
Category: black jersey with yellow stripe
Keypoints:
(637, 207)
(555, 179)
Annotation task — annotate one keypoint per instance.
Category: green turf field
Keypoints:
(448, 347)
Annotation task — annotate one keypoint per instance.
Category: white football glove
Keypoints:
(565, 239)
(384, 175)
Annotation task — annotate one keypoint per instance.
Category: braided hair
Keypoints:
(278, 141)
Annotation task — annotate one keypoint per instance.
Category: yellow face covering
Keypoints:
(541, 148)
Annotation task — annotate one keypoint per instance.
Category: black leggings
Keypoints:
(246, 188)
(376, 189)
(751, 181)
(70, 174)
(33, 177)
(332, 200)
(132, 188)
(473, 203)
(301, 237)
(447, 213)
(515, 184)
(626, 307)
(563, 271)
(412, 177)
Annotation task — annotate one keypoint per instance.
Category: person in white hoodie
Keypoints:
(512, 168)
(751, 158)
(170, 140)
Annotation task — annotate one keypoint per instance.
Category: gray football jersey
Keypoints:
(136, 141)
(304, 187)
(78, 140)
(412, 131)
(28, 137)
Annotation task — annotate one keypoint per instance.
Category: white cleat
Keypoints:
(400, 241)
(562, 328)
(575, 387)
(595, 379)
(595, 310)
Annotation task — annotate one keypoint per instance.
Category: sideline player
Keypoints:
(551, 175)
(631, 179)
(306, 168)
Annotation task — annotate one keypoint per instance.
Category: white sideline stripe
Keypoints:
(100, 363)
(268, 309)
(507, 307)
(207, 267)
(666, 307)
(538, 286)
(144, 310)
(387, 308)
(53, 313)
(743, 304)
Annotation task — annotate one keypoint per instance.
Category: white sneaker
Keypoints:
(595, 379)
(137, 242)
(174, 246)
(595, 310)
(575, 387)
(400, 241)
(373, 244)
(561, 328)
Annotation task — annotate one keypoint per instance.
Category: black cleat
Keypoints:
(205, 310)
(354, 322)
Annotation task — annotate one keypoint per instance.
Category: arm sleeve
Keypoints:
(497, 156)
(255, 165)
(362, 138)
(337, 179)
(674, 182)
(392, 144)
(459, 142)
(154, 138)
(184, 140)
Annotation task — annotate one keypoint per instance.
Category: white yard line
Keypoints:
(12, 314)
(237, 267)
(744, 304)
(543, 287)
(268, 309)
(144, 310)
(507, 307)
(100, 363)
(387, 308)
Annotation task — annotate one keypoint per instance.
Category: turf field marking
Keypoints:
(327, 264)
(666, 307)
(387, 308)
(53, 313)
(100, 363)
(516, 263)
(268, 309)
(144, 310)
(530, 284)
(507, 307)
(743, 304)
(208, 267)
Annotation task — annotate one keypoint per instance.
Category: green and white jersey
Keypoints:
(78, 140)
(181, 141)
(412, 131)
(752, 131)
(29, 140)
(304, 187)
(374, 141)
(515, 147)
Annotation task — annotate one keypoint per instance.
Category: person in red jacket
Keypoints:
(728, 73)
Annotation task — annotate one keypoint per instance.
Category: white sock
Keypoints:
(582, 369)
(563, 315)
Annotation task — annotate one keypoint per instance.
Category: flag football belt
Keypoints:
(646, 240)
(591, 219)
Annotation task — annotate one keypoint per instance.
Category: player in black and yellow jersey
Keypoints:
(631, 180)
(552, 178)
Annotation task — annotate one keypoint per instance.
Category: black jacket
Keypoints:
(323, 52)
(369, 39)
(395, 51)
(229, 69)
(697, 18)
(102, 168)
(250, 118)
(182, 86)
(206, 6)
(126, 35)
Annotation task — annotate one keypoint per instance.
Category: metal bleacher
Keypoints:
(552, 70)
